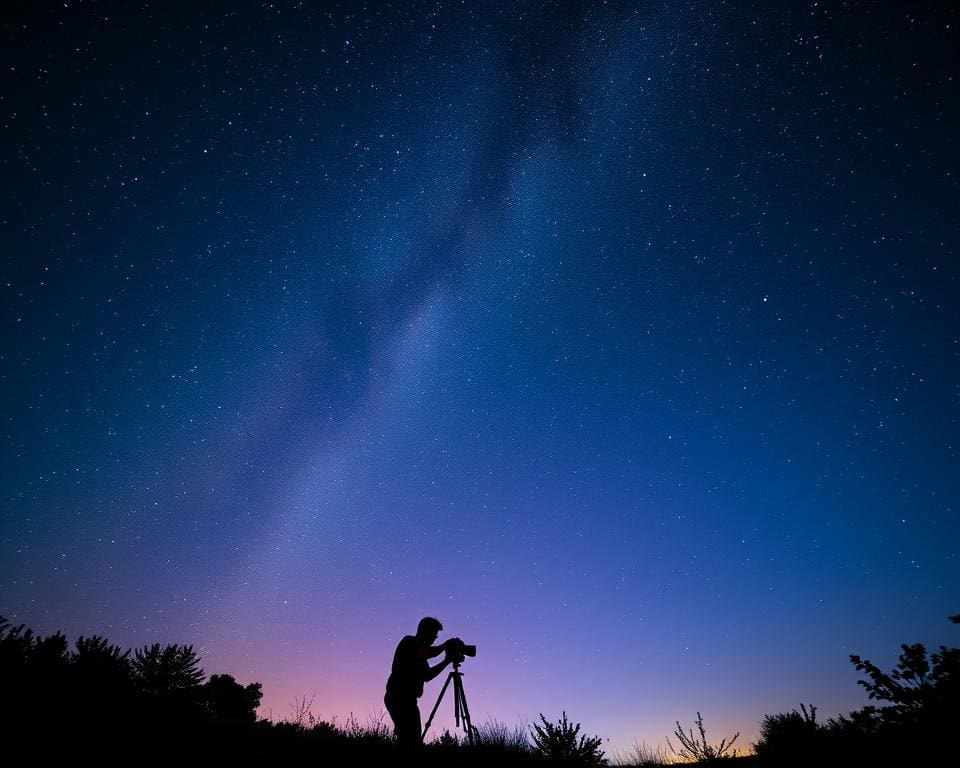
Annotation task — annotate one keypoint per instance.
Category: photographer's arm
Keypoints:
(436, 669)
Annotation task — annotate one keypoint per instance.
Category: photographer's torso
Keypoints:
(409, 670)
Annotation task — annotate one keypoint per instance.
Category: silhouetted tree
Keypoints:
(15, 646)
(113, 701)
(169, 677)
(47, 661)
(101, 678)
(34, 677)
(34, 668)
(225, 699)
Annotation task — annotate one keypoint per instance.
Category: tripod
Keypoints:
(460, 711)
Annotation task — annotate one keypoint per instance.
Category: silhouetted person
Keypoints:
(405, 685)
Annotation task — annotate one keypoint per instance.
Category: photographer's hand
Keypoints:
(436, 669)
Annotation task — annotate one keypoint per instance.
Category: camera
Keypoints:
(457, 650)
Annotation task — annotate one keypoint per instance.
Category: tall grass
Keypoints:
(497, 734)
(642, 755)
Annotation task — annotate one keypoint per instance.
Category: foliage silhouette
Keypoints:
(101, 675)
(917, 686)
(164, 670)
(924, 699)
(225, 699)
(922, 695)
(158, 696)
(692, 748)
(169, 678)
(780, 734)
(96, 656)
(562, 743)
(156, 699)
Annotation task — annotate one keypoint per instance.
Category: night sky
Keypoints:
(623, 338)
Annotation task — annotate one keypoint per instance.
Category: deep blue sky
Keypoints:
(623, 338)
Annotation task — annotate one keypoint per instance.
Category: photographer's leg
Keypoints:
(406, 725)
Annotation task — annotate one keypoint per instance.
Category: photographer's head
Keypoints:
(428, 629)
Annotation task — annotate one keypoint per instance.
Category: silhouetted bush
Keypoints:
(791, 738)
(562, 743)
(698, 749)
(919, 690)
(923, 695)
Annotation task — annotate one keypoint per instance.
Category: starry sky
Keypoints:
(621, 337)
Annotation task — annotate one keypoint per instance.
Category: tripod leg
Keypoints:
(457, 688)
(437, 705)
(464, 712)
